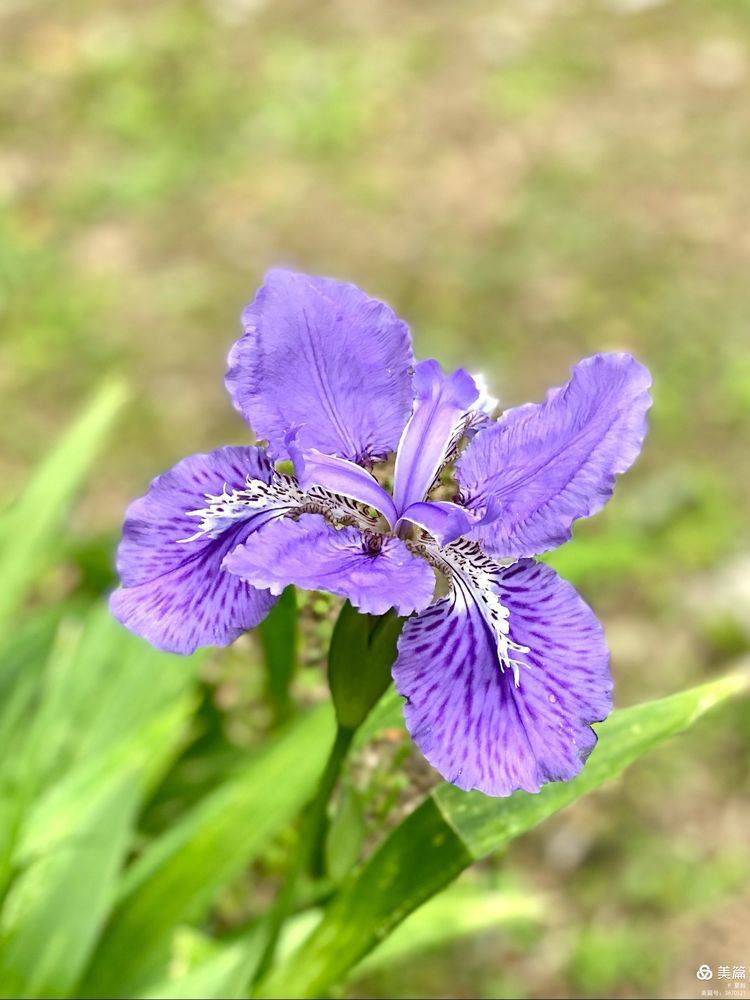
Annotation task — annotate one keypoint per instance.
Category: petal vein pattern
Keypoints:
(470, 719)
(321, 360)
(278, 497)
(548, 464)
(344, 478)
(174, 592)
(474, 579)
(268, 501)
(375, 572)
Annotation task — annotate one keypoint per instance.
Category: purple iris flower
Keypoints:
(503, 675)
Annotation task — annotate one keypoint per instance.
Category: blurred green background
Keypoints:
(525, 182)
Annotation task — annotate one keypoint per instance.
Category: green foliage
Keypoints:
(526, 184)
(278, 634)
(363, 647)
(451, 829)
(96, 728)
(28, 529)
(346, 834)
(459, 912)
(178, 877)
(221, 972)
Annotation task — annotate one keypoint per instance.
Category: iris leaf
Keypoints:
(29, 534)
(178, 877)
(460, 911)
(108, 718)
(224, 972)
(278, 636)
(451, 829)
(363, 648)
(346, 834)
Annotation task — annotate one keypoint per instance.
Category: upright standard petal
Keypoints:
(441, 407)
(321, 360)
(548, 464)
(375, 572)
(498, 727)
(174, 593)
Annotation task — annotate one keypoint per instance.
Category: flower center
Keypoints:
(372, 542)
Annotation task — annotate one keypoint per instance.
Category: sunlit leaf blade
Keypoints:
(28, 528)
(22, 659)
(177, 879)
(278, 636)
(24, 650)
(224, 971)
(82, 772)
(222, 975)
(451, 829)
(346, 834)
(418, 859)
(99, 686)
(71, 859)
(106, 688)
(460, 911)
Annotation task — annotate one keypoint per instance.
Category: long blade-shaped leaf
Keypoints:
(460, 911)
(99, 687)
(223, 975)
(109, 716)
(225, 970)
(179, 876)
(70, 856)
(278, 636)
(451, 829)
(22, 660)
(28, 528)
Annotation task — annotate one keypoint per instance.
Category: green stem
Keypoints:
(318, 828)
(309, 856)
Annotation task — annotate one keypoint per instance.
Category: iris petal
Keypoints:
(441, 405)
(494, 729)
(344, 478)
(321, 360)
(447, 521)
(174, 593)
(375, 573)
(444, 520)
(548, 464)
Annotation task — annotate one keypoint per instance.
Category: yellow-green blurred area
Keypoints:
(526, 182)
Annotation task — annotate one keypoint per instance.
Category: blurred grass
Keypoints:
(525, 182)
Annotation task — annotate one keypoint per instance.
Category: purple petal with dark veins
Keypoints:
(440, 406)
(324, 361)
(375, 575)
(345, 478)
(174, 593)
(548, 464)
(470, 720)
